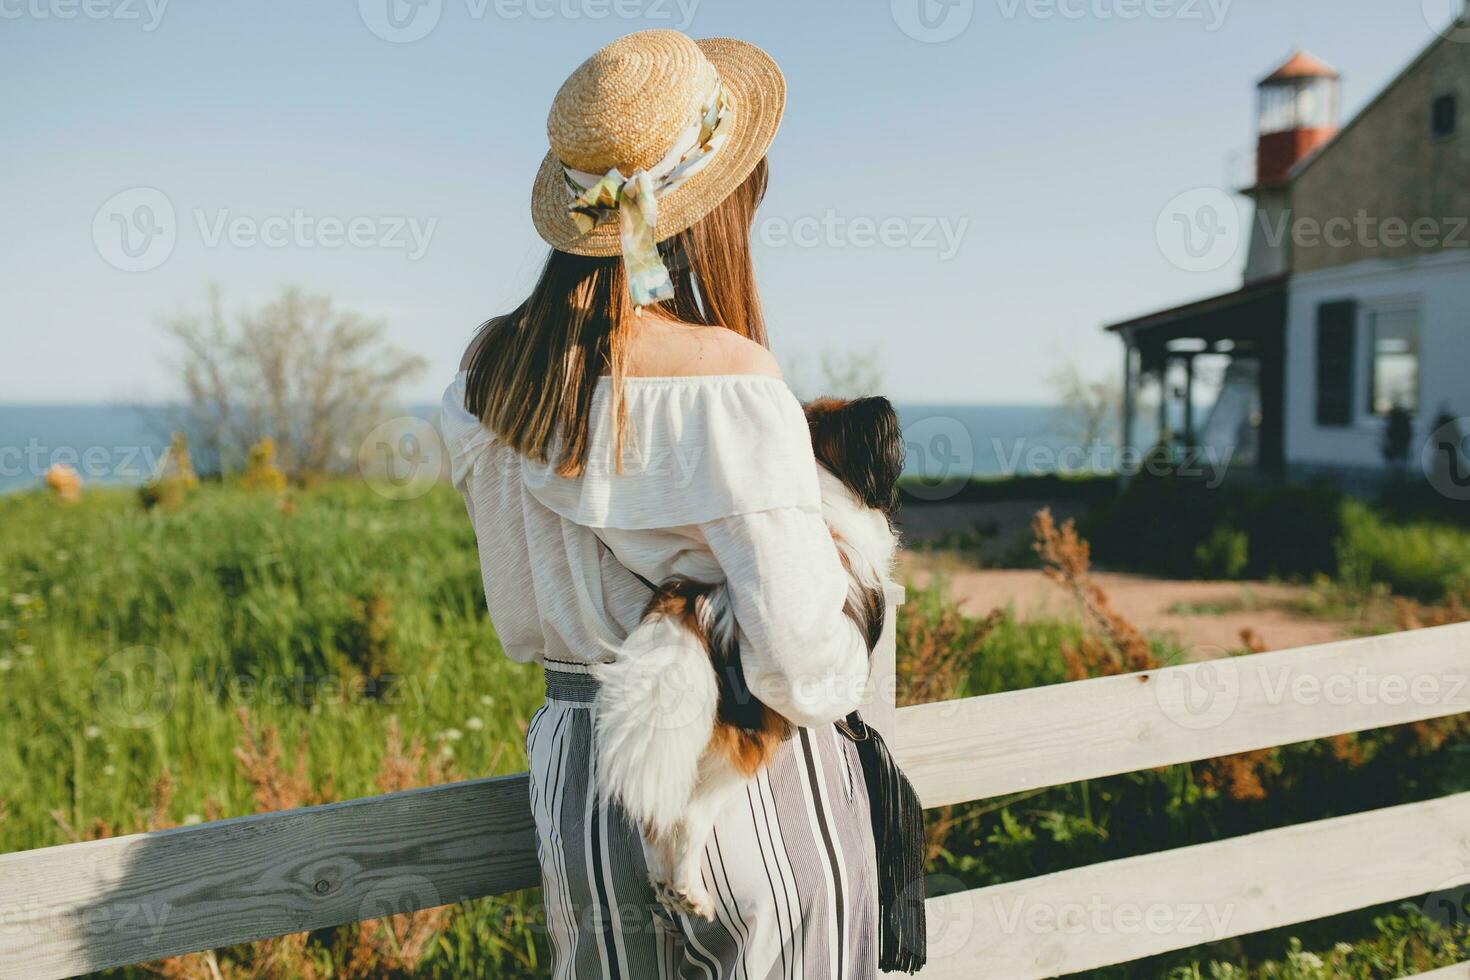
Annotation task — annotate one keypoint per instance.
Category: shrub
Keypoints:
(1181, 527)
(1419, 559)
(1224, 554)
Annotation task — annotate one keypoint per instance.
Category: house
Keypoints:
(1356, 293)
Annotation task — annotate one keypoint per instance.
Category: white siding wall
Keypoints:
(1440, 287)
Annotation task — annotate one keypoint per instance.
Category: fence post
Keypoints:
(879, 709)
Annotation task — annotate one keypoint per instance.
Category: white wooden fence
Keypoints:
(80, 907)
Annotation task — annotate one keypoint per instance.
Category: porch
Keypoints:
(1239, 339)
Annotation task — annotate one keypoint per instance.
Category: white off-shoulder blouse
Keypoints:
(718, 482)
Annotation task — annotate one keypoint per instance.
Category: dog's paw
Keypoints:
(687, 900)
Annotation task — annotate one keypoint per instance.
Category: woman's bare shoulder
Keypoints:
(684, 350)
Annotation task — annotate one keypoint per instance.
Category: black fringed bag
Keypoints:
(898, 833)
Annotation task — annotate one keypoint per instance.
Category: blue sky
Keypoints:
(1018, 167)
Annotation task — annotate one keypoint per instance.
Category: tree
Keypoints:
(1088, 409)
(296, 370)
(839, 374)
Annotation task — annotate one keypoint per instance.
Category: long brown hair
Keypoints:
(534, 371)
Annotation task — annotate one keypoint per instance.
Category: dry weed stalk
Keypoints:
(1112, 645)
(936, 653)
(1411, 615)
(390, 946)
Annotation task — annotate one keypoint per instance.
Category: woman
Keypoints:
(627, 421)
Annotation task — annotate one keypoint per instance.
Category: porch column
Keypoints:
(1189, 401)
(1130, 394)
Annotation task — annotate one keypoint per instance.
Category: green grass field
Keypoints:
(130, 640)
(137, 644)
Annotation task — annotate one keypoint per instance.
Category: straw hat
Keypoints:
(625, 108)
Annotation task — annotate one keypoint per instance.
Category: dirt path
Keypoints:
(1206, 617)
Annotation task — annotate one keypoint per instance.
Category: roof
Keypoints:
(1266, 288)
(1409, 69)
(1301, 65)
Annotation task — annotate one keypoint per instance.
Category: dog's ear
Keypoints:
(860, 442)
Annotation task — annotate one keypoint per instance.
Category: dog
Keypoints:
(678, 731)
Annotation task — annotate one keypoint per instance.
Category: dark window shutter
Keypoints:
(1337, 327)
(1442, 116)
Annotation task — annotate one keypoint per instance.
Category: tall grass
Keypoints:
(130, 640)
(1420, 559)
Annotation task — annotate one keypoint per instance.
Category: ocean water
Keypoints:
(119, 444)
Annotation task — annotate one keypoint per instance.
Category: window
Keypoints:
(1337, 325)
(1443, 116)
(1393, 372)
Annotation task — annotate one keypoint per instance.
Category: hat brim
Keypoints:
(756, 91)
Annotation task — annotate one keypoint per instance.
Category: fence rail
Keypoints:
(80, 907)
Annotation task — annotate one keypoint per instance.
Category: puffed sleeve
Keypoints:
(487, 475)
(802, 656)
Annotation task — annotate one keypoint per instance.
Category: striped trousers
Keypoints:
(790, 865)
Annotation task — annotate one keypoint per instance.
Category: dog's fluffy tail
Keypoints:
(655, 713)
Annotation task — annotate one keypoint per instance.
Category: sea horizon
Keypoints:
(112, 444)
